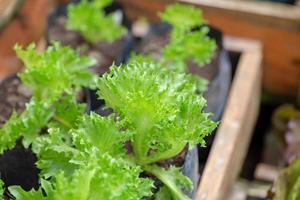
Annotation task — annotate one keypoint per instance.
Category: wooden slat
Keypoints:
(233, 136)
(7, 10)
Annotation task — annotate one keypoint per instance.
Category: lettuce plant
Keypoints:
(188, 37)
(163, 111)
(89, 19)
(54, 77)
(188, 42)
(54, 71)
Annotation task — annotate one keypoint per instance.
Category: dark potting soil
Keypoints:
(17, 167)
(105, 53)
(13, 97)
(153, 43)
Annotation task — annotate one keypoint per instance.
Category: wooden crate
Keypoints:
(231, 142)
(276, 25)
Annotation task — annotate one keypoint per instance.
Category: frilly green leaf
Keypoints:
(90, 20)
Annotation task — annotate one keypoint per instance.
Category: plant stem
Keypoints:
(163, 155)
(162, 175)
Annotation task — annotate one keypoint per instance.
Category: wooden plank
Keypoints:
(276, 25)
(28, 26)
(7, 10)
(233, 136)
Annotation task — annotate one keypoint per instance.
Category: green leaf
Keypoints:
(103, 133)
(67, 112)
(182, 16)
(163, 194)
(20, 194)
(102, 177)
(27, 125)
(1, 189)
(193, 45)
(90, 20)
(160, 106)
(55, 71)
(173, 180)
(287, 186)
(55, 154)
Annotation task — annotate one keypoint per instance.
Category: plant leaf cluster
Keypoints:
(188, 42)
(54, 71)
(287, 185)
(90, 20)
(54, 77)
(188, 38)
(162, 110)
(156, 115)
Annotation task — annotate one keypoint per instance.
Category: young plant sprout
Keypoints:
(163, 111)
(54, 78)
(91, 21)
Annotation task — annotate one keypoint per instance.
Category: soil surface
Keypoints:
(153, 43)
(105, 53)
(13, 97)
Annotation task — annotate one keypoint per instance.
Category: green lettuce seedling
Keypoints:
(54, 77)
(91, 21)
(54, 71)
(188, 38)
(163, 111)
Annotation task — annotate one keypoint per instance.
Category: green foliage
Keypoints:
(27, 125)
(1, 189)
(55, 71)
(287, 186)
(102, 177)
(174, 182)
(160, 106)
(103, 133)
(39, 114)
(90, 20)
(195, 45)
(189, 40)
(182, 17)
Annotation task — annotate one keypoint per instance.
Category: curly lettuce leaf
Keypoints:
(183, 17)
(90, 20)
(175, 182)
(160, 106)
(193, 45)
(27, 125)
(38, 116)
(102, 133)
(55, 154)
(54, 71)
(102, 177)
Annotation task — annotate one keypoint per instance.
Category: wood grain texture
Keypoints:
(233, 136)
(26, 27)
(276, 25)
